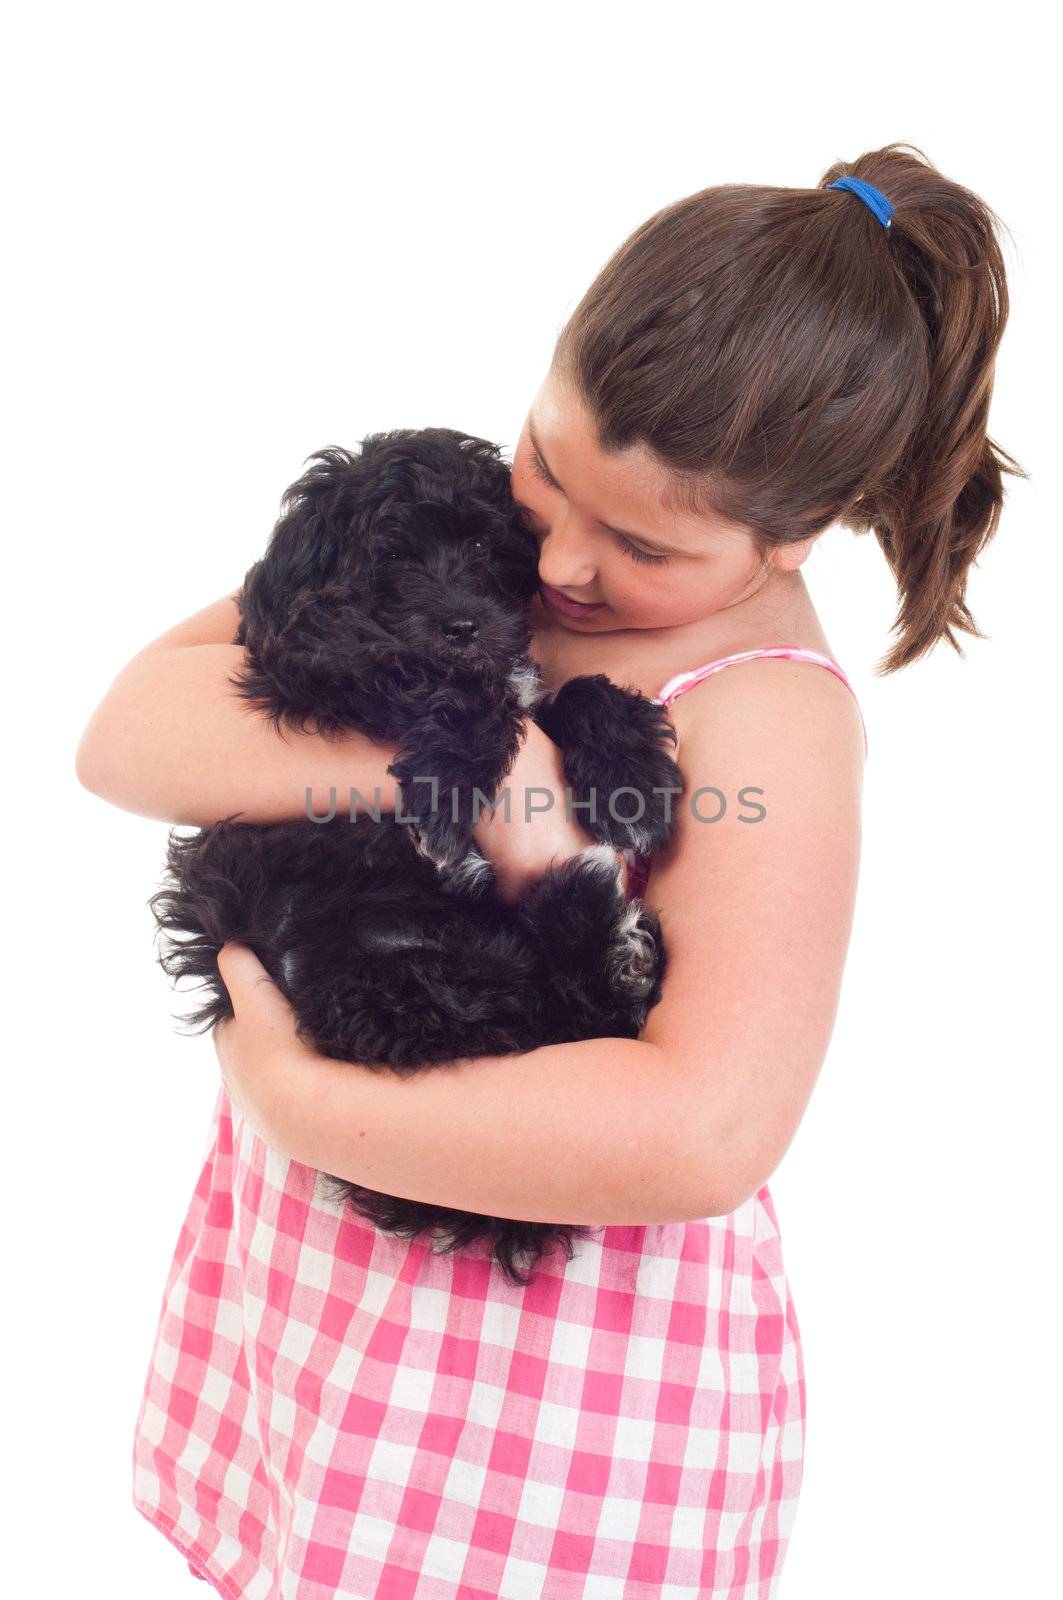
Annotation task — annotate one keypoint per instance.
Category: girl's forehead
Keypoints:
(629, 492)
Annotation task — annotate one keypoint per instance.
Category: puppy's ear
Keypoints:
(314, 542)
(317, 663)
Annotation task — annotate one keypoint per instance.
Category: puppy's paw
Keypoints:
(437, 843)
(602, 952)
(472, 878)
(633, 955)
(614, 744)
(632, 961)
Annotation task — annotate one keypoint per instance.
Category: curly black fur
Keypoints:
(392, 600)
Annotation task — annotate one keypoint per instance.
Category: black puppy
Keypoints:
(392, 599)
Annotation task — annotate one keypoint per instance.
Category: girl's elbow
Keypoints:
(105, 769)
(744, 1176)
(89, 767)
(719, 1201)
(728, 1200)
(732, 1178)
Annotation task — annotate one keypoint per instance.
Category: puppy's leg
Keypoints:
(449, 766)
(602, 956)
(613, 744)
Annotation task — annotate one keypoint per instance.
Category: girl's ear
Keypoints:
(788, 557)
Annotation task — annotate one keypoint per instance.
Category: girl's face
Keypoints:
(607, 538)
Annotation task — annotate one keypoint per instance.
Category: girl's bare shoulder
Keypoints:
(774, 700)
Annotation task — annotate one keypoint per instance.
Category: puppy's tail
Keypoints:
(214, 889)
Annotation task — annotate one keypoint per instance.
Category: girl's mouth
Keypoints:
(561, 602)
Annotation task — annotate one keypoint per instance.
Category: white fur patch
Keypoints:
(632, 958)
(470, 871)
(420, 844)
(456, 875)
(631, 961)
(605, 857)
(641, 839)
(527, 685)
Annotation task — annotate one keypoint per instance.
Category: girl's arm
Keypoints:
(692, 1118)
(173, 740)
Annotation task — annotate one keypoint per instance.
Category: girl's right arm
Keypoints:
(172, 739)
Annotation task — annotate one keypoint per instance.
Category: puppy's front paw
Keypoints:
(614, 748)
(436, 839)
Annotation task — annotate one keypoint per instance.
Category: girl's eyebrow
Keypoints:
(665, 549)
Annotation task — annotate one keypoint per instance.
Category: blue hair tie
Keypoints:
(873, 198)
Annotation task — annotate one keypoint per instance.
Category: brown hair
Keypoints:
(785, 355)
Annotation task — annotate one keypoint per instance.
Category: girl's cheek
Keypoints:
(523, 485)
(534, 515)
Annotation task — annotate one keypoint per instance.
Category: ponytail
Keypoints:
(794, 363)
(935, 511)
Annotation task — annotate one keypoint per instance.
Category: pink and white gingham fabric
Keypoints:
(332, 1412)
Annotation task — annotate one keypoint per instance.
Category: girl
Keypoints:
(332, 1411)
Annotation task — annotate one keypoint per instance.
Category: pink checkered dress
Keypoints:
(332, 1412)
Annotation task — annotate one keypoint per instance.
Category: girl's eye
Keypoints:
(640, 555)
(632, 549)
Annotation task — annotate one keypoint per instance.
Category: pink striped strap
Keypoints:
(686, 680)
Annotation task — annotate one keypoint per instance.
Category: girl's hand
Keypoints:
(258, 1049)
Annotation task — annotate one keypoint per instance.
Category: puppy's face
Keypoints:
(449, 581)
(419, 533)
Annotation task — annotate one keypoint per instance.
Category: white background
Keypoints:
(238, 233)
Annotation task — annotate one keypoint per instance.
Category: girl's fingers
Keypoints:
(238, 965)
(254, 995)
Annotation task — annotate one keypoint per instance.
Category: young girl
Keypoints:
(330, 1411)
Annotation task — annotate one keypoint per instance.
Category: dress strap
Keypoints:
(682, 681)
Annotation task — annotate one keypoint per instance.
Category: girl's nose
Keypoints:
(563, 564)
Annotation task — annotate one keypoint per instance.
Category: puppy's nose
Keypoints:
(461, 631)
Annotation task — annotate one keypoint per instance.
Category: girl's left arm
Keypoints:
(687, 1121)
(585, 1133)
